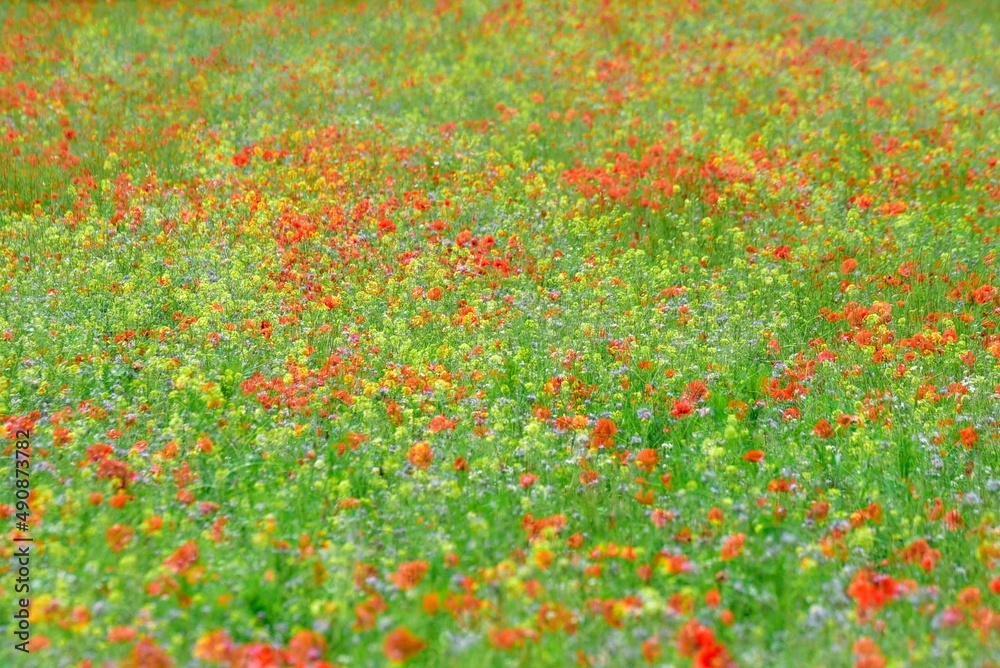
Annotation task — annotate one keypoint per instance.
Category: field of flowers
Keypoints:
(501, 334)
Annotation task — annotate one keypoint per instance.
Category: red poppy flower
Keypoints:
(682, 407)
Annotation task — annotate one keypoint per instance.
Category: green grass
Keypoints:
(672, 203)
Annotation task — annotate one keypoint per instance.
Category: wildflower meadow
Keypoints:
(479, 333)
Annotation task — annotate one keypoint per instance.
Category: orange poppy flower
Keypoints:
(409, 575)
(733, 547)
(651, 650)
(120, 500)
(968, 437)
(306, 647)
(823, 429)
(185, 557)
(215, 647)
(603, 434)
(401, 645)
(647, 460)
(118, 536)
(121, 634)
(147, 654)
(440, 423)
(420, 455)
